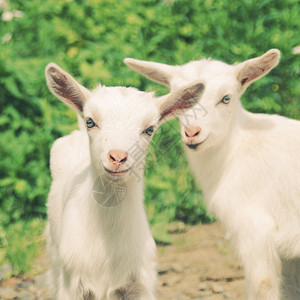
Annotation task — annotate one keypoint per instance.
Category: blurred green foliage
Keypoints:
(90, 38)
(21, 243)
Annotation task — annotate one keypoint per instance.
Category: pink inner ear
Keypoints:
(65, 89)
(257, 67)
(152, 70)
(253, 72)
(165, 113)
(158, 76)
(244, 80)
(183, 100)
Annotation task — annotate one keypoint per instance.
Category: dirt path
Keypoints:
(200, 264)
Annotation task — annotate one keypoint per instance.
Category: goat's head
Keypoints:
(209, 122)
(120, 121)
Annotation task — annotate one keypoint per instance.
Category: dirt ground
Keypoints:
(199, 264)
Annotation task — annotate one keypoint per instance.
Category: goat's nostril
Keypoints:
(112, 158)
(192, 131)
(123, 160)
(118, 156)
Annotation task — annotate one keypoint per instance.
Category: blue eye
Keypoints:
(149, 130)
(225, 99)
(90, 123)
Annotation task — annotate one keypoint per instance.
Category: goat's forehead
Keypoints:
(122, 104)
(206, 70)
(206, 66)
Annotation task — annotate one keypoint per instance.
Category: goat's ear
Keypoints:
(255, 68)
(157, 72)
(66, 88)
(180, 100)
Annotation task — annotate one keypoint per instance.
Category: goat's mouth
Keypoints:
(195, 146)
(117, 173)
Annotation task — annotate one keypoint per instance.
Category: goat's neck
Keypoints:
(213, 163)
(118, 204)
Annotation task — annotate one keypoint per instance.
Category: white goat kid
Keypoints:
(248, 166)
(98, 234)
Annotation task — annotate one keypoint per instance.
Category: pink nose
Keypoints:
(117, 157)
(192, 131)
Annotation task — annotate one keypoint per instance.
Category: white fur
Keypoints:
(100, 252)
(248, 166)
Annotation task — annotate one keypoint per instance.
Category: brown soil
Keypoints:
(199, 264)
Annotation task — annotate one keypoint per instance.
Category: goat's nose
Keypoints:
(117, 156)
(192, 131)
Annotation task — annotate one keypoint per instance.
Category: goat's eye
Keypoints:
(149, 131)
(90, 123)
(225, 99)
